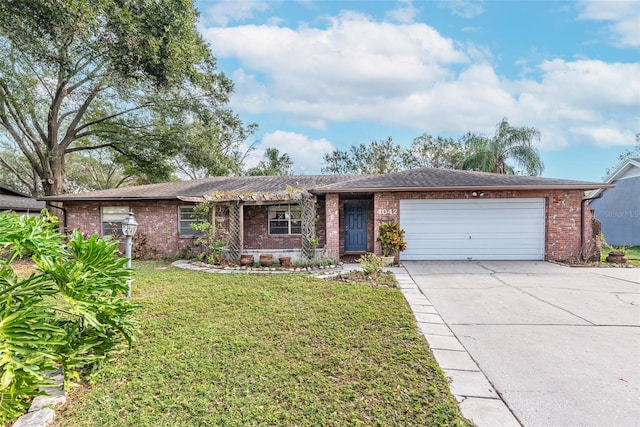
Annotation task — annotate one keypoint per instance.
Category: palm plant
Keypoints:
(273, 164)
(508, 143)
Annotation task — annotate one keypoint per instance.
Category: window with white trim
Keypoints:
(186, 217)
(285, 220)
(112, 217)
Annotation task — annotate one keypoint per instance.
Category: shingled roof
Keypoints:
(19, 202)
(424, 179)
(197, 189)
(430, 179)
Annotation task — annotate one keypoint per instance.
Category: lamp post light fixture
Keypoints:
(129, 228)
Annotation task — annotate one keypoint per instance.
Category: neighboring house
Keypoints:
(618, 209)
(447, 214)
(19, 203)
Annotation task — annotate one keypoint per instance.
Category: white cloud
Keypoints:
(464, 8)
(309, 71)
(406, 13)
(227, 11)
(580, 99)
(623, 16)
(604, 135)
(408, 75)
(305, 153)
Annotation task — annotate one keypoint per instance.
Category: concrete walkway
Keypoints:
(476, 397)
(559, 345)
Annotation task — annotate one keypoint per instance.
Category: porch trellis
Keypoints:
(234, 202)
(234, 243)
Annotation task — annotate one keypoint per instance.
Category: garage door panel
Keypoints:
(487, 229)
(475, 243)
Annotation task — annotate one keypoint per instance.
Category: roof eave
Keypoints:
(464, 188)
(105, 199)
(622, 170)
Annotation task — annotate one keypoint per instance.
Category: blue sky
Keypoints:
(323, 75)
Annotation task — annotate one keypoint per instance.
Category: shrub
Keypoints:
(371, 264)
(391, 238)
(70, 313)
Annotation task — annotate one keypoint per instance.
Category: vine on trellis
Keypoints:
(309, 241)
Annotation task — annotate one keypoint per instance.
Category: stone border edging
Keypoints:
(42, 413)
(476, 396)
(203, 266)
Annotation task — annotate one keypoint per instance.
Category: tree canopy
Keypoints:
(375, 158)
(273, 164)
(429, 152)
(627, 154)
(134, 78)
(473, 152)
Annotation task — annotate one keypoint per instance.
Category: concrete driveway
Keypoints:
(560, 345)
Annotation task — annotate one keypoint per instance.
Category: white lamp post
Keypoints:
(129, 228)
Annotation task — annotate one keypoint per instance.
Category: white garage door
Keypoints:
(478, 229)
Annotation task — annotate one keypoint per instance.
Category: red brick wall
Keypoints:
(256, 230)
(562, 225)
(158, 220)
(332, 224)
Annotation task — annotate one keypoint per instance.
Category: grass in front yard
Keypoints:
(633, 255)
(218, 349)
(633, 252)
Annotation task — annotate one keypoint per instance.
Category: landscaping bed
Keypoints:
(240, 349)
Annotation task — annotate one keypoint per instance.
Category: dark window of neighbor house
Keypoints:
(285, 219)
(187, 217)
(112, 217)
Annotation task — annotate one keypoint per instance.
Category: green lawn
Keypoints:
(230, 350)
(634, 253)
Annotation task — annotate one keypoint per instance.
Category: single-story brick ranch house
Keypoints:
(447, 214)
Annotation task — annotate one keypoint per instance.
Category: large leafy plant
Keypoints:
(70, 313)
(391, 238)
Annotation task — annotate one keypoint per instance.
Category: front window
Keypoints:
(285, 219)
(112, 217)
(186, 217)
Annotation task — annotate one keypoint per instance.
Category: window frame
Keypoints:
(289, 218)
(122, 211)
(189, 221)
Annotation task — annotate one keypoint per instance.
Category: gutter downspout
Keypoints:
(64, 220)
(582, 204)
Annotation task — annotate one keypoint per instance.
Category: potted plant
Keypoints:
(285, 261)
(246, 260)
(391, 238)
(617, 254)
(266, 260)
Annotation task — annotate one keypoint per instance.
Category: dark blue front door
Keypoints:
(355, 227)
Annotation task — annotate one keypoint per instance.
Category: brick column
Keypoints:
(386, 208)
(332, 220)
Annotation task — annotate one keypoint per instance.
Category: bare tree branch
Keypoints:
(88, 148)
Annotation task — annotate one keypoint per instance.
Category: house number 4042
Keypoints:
(387, 211)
